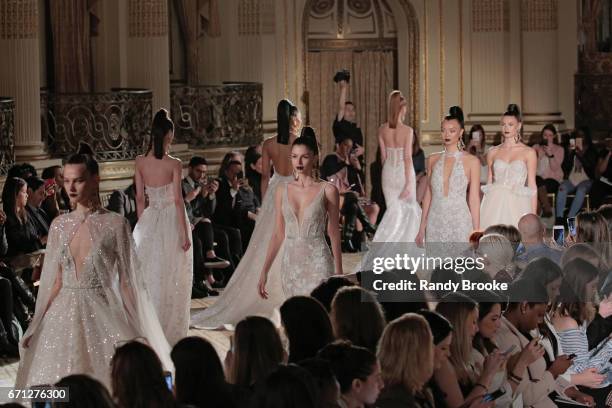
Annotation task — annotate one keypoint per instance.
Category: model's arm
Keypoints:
(420, 238)
(532, 164)
(140, 194)
(490, 159)
(381, 145)
(265, 169)
(408, 169)
(474, 193)
(179, 203)
(332, 200)
(342, 99)
(278, 236)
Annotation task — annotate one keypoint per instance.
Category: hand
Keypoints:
(605, 307)
(420, 239)
(532, 352)
(261, 287)
(343, 84)
(26, 341)
(186, 244)
(478, 402)
(192, 226)
(588, 378)
(359, 151)
(43, 240)
(578, 396)
(2, 217)
(213, 186)
(493, 363)
(354, 161)
(560, 365)
(251, 215)
(235, 183)
(405, 195)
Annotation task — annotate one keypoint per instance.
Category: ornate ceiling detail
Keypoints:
(350, 19)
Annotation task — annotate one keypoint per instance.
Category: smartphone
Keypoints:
(571, 356)
(572, 143)
(476, 136)
(50, 183)
(510, 350)
(494, 395)
(240, 174)
(559, 235)
(168, 378)
(571, 226)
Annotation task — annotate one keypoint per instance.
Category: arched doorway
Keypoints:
(377, 40)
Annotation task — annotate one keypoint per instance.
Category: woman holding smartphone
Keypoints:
(549, 173)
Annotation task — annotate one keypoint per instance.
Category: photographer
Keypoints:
(345, 121)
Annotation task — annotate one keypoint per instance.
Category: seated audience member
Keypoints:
(287, 386)
(396, 304)
(357, 316)
(592, 228)
(602, 186)
(406, 354)
(237, 204)
(307, 327)
(21, 232)
(138, 379)
(574, 312)
(341, 168)
(533, 231)
(84, 392)
(36, 196)
(325, 381)
(123, 202)
(23, 170)
(544, 272)
(526, 309)
(358, 372)
(549, 172)
(255, 353)
(200, 202)
(327, 289)
(475, 142)
(459, 379)
(606, 212)
(511, 233)
(253, 169)
(498, 255)
(199, 379)
(54, 206)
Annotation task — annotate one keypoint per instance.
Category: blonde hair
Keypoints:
(592, 228)
(400, 362)
(396, 103)
(497, 249)
(456, 308)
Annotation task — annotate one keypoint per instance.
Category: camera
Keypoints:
(343, 75)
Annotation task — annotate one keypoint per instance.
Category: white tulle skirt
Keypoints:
(241, 298)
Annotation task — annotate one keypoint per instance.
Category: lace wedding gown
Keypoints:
(401, 221)
(104, 305)
(306, 259)
(507, 199)
(449, 219)
(167, 268)
(240, 297)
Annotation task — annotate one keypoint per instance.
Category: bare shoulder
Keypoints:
(175, 159)
(330, 189)
(471, 160)
(529, 151)
(565, 323)
(434, 157)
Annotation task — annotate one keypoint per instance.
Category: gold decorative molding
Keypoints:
(148, 18)
(18, 19)
(442, 54)
(490, 15)
(538, 15)
(358, 43)
(461, 53)
(425, 65)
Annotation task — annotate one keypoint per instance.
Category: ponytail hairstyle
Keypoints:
(85, 156)
(455, 113)
(284, 112)
(396, 103)
(308, 138)
(162, 124)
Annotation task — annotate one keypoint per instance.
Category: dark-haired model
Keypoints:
(511, 165)
(446, 215)
(163, 234)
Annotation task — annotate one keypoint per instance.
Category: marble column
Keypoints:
(147, 49)
(20, 73)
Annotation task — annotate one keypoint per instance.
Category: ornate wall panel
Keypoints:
(206, 116)
(594, 102)
(7, 134)
(539, 15)
(348, 19)
(18, 19)
(268, 16)
(148, 18)
(490, 15)
(116, 124)
(248, 17)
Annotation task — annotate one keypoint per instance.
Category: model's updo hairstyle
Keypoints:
(455, 113)
(85, 155)
(284, 112)
(514, 111)
(162, 124)
(308, 138)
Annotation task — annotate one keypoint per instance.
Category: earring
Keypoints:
(295, 175)
(460, 144)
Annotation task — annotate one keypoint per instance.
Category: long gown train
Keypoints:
(240, 297)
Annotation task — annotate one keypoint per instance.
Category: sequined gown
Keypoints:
(507, 199)
(306, 258)
(449, 219)
(92, 312)
(240, 297)
(167, 268)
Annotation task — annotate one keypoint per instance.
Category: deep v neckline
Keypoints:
(86, 257)
(292, 209)
(446, 183)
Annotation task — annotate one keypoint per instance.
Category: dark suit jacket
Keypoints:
(3, 242)
(234, 215)
(199, 207)
(123, 202)
(22, 238)
(40, 219)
